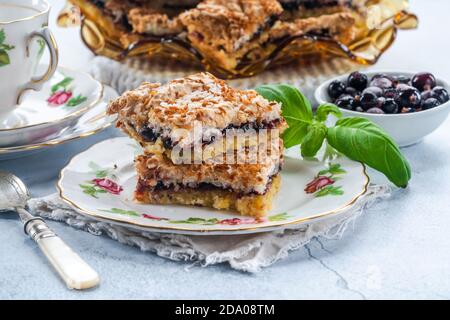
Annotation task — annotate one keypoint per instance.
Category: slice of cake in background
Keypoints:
(229, 33)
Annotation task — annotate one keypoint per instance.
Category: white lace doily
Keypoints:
(249, 252)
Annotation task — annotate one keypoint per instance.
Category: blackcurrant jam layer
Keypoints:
(149, 134)
(142, 186)
(312, 4)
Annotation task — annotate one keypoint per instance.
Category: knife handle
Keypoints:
(74, 271)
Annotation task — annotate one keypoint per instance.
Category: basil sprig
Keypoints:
(357, 138)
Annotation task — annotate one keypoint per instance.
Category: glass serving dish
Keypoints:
(376, 29)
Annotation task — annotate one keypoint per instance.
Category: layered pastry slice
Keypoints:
(157, 18)
(204, 144)
(314, 8)
(226, 30)
(335, 19)
(246, 188)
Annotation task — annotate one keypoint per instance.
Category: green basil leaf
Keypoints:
(294, 135)
(326, 109)
(295, 106)
(2, 36)
(313, 140)
(361, 140)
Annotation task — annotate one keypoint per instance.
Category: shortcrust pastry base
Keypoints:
(254, 205)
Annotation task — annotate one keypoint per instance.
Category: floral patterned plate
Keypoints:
(90, 123)
(60, 103)
(100, 181)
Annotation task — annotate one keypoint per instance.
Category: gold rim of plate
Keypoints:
(56, 141)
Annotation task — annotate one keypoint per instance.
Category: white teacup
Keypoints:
(23, 36)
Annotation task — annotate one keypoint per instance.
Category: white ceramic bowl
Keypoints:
(407, 128)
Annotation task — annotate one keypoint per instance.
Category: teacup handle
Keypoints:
(36, 83)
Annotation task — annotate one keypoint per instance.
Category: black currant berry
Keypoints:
(380, 102)
(401, 79)
(407, 110)
(346, 102)
(409, 98)
(423, 81)
(403, 86)
(390, 93)
(381, 75)
(357, 80)
(390, 106)
(368, 100)
(430, 103)
(352, 91)
(382, 82)
(426, 95)
(441, 94)
(374, 90)
(335, 89)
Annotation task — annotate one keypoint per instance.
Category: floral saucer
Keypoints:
(92, 122)
(100, 181)
(60, 103)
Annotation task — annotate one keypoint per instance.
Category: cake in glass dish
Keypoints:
(242, 37)
(204, 143)
(229, 31)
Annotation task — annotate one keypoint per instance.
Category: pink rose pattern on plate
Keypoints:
(104, 182)
(324, 182)
(318, 183)
(59, 98)
(152, 217)
(108, 185)
(63, 95)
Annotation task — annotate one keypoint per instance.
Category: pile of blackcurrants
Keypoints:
(385, 94)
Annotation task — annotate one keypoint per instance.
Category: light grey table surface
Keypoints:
(399, 249)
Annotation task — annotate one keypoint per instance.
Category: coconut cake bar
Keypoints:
(163, 118)
(197, 110)
(247, 188)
